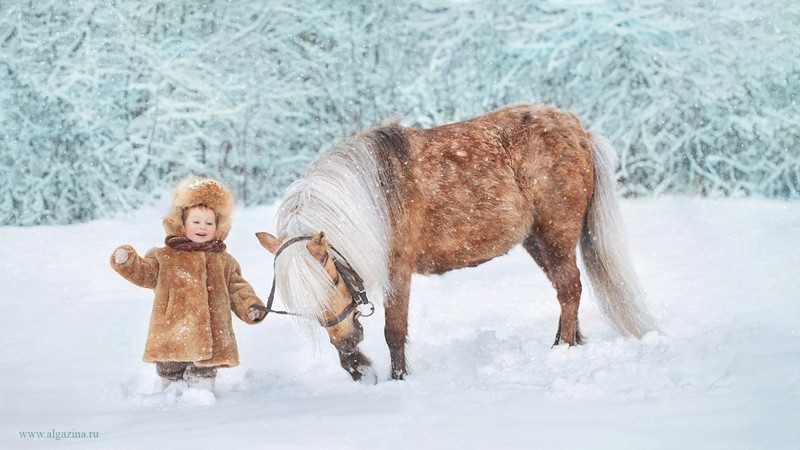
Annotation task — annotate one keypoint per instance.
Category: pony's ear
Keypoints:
(318, 246)
(269, 242)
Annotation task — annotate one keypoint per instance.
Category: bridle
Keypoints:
(351, 279)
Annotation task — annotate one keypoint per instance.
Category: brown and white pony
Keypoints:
(395, 201)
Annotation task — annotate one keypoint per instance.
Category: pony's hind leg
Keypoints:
(555, 254)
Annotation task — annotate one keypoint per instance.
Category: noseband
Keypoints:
(351, 279)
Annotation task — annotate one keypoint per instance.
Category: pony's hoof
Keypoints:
(578, 341)
(399, 375)
(366, 375)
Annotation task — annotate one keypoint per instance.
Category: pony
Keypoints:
(395, 201)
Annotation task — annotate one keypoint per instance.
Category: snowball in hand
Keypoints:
(120, 256)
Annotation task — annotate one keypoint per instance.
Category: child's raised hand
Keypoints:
(120, 255)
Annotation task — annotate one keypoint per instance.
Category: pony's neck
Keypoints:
(340, 194)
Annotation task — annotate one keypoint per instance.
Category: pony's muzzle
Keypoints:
(349, 345)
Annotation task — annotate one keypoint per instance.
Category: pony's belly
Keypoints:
(465, 234)
(450, 251)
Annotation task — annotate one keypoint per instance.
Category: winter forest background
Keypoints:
(105, 104)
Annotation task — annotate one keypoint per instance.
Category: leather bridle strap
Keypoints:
(342, 315)
(351, 279)
(268, 309)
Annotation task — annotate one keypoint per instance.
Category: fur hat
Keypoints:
(195, 191)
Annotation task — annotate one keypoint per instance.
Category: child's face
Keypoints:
(200, 225)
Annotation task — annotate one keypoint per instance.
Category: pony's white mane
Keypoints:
(341, 195)
(304, 287)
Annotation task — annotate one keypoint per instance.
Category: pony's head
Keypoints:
(317, 287)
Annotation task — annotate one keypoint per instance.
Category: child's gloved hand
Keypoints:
(120, 256)
(256, 313)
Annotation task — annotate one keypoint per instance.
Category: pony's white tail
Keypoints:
(605, 254)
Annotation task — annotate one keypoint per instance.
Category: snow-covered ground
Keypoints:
(722, 277)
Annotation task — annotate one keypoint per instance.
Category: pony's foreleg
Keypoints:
(359, 367)
(396, 328)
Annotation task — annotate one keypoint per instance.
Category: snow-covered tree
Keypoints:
(104, 105)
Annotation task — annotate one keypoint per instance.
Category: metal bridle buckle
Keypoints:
(371, 309)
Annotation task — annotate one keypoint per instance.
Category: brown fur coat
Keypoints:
(195, 291)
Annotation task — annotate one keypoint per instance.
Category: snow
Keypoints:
(721, 276)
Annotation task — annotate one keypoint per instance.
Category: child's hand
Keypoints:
(120, 256)
(256, 314)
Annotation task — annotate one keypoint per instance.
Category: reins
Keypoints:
(352, 280)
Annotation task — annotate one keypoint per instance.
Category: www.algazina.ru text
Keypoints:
(59, 435)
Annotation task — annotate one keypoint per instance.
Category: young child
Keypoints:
(196, 283)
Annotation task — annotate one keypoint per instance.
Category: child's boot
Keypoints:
(170, 372)
(201, 377)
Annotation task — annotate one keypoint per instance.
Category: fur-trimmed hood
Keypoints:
(195, 191)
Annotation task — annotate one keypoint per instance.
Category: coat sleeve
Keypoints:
(242, 294)
(139, 271)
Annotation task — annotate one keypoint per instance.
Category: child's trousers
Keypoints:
(184, 370)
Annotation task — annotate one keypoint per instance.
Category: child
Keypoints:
(196, 283)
